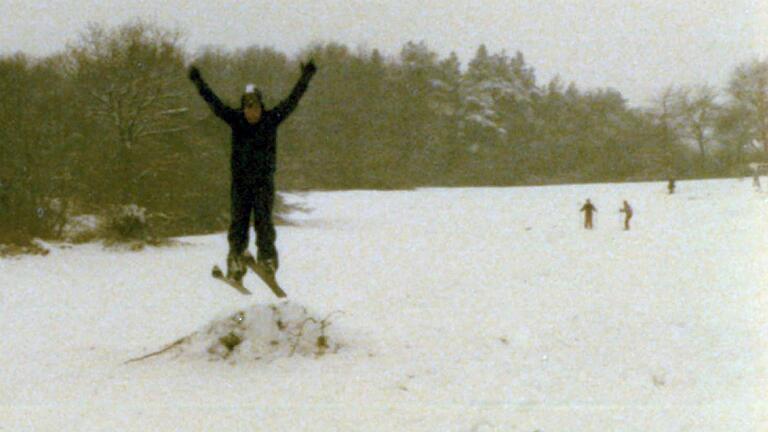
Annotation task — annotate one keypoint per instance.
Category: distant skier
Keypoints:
(588, 209)
(756, 181)
(253, 160)
(627, 210)
(671, 186)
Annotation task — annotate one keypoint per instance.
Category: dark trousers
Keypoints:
(258, 199)
(588, 220)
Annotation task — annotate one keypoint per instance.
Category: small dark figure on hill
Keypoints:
(588, 208)
(627, 210)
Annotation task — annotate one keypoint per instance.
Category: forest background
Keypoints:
(112, 123)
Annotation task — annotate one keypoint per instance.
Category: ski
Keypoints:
(218, 274)
(265, 275)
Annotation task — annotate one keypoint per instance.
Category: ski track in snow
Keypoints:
(460, 310)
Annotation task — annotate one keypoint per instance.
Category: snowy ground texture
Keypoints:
(441, 310)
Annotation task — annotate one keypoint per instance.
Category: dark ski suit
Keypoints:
(627, 210)
(253, 162)
(588, 209)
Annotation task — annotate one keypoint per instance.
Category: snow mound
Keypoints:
(261, 332)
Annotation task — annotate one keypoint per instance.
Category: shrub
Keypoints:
(129, 225)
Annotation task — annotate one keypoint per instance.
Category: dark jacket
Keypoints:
(589, 208)
(254, 146)
(627, 209)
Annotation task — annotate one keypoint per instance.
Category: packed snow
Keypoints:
(478, 309)
(261, 332)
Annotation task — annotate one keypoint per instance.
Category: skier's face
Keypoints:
(252, 113)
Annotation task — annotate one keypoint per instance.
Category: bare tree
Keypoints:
(131, 80)
(663, 114)
(663, 107)
(696, 110)
(688, 115)
(734, 132)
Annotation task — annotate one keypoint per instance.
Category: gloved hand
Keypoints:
(308, 68)
(194, 73)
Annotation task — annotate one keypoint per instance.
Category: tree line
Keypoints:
(113, 121)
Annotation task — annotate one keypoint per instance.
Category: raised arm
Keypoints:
(286, 107)
(218, 107)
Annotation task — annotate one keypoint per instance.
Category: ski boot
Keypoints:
(269, 264)
(236, 267)
(265, 269)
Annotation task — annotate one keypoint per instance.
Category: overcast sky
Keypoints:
(634, 46)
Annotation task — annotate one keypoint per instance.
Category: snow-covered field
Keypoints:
(449, 310)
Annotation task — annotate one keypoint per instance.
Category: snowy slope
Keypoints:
(454, 310)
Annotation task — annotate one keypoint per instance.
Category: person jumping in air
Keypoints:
(588, 209)
(253, 160)
(627, 210)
